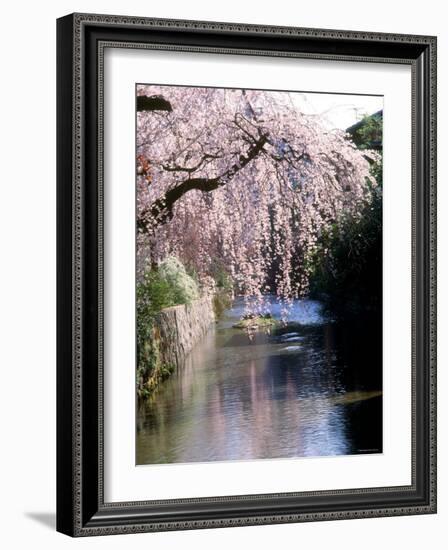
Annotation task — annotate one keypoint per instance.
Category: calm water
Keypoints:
(311, 388)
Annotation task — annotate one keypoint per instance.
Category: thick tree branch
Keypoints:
(153, 103)
(162, 209)
(190, 170)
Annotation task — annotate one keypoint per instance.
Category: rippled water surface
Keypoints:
(311, 388)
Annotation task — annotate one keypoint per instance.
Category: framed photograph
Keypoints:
(246, 274)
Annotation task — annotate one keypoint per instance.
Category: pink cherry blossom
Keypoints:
(244, 179)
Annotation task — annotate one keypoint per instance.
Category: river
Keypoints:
(310, 388)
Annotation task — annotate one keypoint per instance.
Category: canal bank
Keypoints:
(175, 331)
(294, 392)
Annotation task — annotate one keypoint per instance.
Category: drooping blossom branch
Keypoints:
(244, 180)
(162, 208)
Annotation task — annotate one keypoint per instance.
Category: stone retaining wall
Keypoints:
(177, 329)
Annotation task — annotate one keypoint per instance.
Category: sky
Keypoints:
(338, 110)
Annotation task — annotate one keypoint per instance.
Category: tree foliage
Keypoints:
(167, 286)
(243, 179)
(347, 263)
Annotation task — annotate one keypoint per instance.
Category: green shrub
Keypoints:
(346, 268)
(183, 287)
(349, 276)
(167, 286)
(222, 300)
(223, 279)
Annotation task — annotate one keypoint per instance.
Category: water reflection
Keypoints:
(294, 393)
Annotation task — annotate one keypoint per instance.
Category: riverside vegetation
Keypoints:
(163, 287)
(299, 215)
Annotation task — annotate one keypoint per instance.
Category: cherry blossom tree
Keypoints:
(243, 179)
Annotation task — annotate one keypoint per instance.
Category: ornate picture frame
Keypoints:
(81, 506)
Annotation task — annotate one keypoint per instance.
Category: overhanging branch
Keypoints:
(162, 209)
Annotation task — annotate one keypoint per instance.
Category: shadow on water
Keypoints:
(311, 388)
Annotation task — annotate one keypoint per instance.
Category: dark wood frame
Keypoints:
(81, 39)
